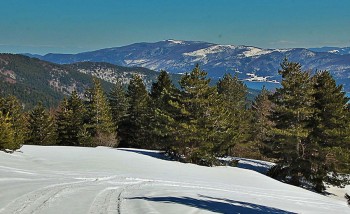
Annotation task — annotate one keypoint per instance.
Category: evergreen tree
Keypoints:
(330, 127)
(41, 127)
(134, 129)
(292, 116)
(233, 102)
(192, 129)
(101, 124)
(118, 102)
(261, 123)
(64, 126)
(7, 134)
(14, 109)
(70, 122)
(162, 84)
(163, 93)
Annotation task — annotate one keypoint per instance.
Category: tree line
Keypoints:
(303, 126)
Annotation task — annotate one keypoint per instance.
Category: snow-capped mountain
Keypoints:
(248, 62)
(335, 50)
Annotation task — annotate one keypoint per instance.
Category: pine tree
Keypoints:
(292, 116)
(192, 129)
(70, 122)
(233, 94)
(41, 127)
(101, 127)
(64, 124)
(14, 109)
(134, 129)
(163, 93)
(330, 128)
(118, 103)
(163, 83)
(261, 122)
(7, 134)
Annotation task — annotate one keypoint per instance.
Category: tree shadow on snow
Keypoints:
(218, 205)
(154, 154)
(254, 165)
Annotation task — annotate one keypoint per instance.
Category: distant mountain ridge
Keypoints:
(33, 80)
(248, 62)
(335, 50)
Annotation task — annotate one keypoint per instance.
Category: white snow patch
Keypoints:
(105, 180)
(175, 41)
(254, 78)
(253, 51)
(333, 51)
(202, 53)
(135, 61)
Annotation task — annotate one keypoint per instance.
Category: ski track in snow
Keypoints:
(34, 201)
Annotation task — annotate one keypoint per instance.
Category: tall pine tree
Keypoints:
(330, 127)
(163, 93)
(71, 129)
(292, 117)
(13, 108)
(41, 127)
(261, 122)
(7, 134)
(233, 102)
(118, 102)
(101, 126)
(192, 129)
(134, 128)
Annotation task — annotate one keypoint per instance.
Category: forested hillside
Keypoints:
(32, 80)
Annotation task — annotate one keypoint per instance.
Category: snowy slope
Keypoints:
(103, 180)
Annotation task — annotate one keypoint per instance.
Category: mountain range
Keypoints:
(251, 64)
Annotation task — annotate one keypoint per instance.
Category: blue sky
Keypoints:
(71, 26)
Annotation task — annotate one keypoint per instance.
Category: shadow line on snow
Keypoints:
(218, 205)
(154, 154)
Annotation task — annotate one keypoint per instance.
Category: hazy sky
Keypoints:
(71, 26)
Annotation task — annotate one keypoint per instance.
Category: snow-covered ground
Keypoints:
(104, 180)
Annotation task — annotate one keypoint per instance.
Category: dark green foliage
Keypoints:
(234, 116)
(262, 125)
(101, 125)
(292, 116)
(191, 125)
(12, 107)
(163, 93)
(118, 103)
(7, 134)
(41, 127)
(70, 122)
(134, 128)
(331, 121)
(162, 84)
(330, 128)
(310, 137)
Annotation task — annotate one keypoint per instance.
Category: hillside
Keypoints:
(33, 80)
(104, 180)
(248, 62)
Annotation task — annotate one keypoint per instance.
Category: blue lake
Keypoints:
(259, 85)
